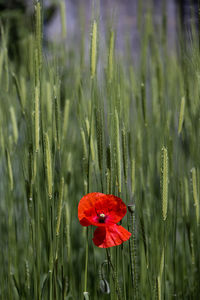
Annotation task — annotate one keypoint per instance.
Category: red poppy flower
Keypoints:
(104, 211)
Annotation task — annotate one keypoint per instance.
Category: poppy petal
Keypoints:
(84, 222)
(86, 208)
(105, 237)
(93, 204)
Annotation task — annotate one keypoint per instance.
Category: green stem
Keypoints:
(114, 276)
(86, 261)
(124, 275)
(133, 249)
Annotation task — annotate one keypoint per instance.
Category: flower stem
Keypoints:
(133, 256)
(114, 275)
(124, 275)
(86, 261)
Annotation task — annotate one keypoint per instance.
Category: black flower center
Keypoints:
(102, 218)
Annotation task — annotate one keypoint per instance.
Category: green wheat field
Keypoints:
(77, 119)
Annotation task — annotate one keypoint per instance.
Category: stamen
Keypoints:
(102, 215)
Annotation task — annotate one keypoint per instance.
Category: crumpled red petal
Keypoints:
(105, 237)
(93, 204)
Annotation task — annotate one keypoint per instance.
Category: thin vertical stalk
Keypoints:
(181, 115)
(63, 19)
(118, 151)
(86, 261)
(93, 50)
(114, 275)
(10, 172)
(48, 165)
(195, 195)
(164, 182)
(38, 33)
(37, 119)
(111, 56)
(133, 254)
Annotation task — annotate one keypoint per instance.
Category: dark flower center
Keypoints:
(102, 218)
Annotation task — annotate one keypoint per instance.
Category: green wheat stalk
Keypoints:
(118, 151)
(181, 115)
(63, 18)
(14, 124)
(133, 178)
(38, 32)
(93, 50)
(19, 93)
(186, 189)
(99, 135)
(49, 102)
(143, 99)
(67, 231)
(111, 56)
(195, 194)
(48, 164)
(37, 119)
(59, 211)
(85, 151)
(57, 120)
(164, 182)
(10, 172)
(65, 119)
(125, 153)
(159, 278)
(133, 251)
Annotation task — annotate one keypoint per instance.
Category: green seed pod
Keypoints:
(131, 208)
(104, 286)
